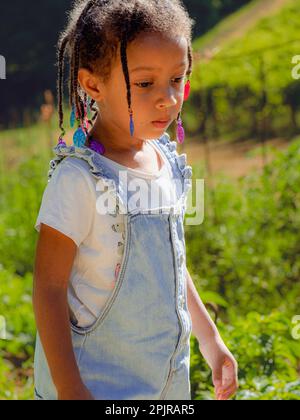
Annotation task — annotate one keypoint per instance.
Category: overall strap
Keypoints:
(179, 166)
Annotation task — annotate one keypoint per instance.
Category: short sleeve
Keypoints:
(68, 202)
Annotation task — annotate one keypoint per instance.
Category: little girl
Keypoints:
(113, 300)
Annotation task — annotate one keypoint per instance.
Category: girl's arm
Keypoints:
(54, 260)
(204, 329)
(221, 361)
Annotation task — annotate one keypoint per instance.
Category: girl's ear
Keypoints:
(90, 84)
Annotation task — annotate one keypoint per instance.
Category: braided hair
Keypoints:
(95, 31)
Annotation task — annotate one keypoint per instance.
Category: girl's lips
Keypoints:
(160, 124)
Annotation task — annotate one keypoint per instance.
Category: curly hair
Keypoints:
(96, 29)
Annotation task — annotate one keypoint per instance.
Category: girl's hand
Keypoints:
(224, 367)
(80, 393)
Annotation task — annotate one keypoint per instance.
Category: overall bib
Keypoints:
(139, 347)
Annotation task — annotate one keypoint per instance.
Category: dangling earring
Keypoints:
(187, 90)
(80, 134)
(180, 129)
(131, 122)
(86, 103)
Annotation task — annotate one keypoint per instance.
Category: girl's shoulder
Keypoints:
(77, 165)
(71, 173)
(69, 200)
(81, 158)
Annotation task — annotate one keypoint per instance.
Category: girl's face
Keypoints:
(157, 70)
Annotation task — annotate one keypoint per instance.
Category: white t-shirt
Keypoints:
(69, 206)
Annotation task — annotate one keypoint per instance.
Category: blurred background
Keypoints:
(243, 138)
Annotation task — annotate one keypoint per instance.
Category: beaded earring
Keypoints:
(80, 134)
(180, 130)
(94, 144)
(131, 122)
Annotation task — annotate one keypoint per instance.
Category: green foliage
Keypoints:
(244, 259)
(16, 352)
(249, 242)
(267, 355)
(16, 307)
(21, 189)
(23, 175)
(22, 199)
(248, 83)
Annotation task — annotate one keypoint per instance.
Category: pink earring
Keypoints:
(180, 129)
(187, 90)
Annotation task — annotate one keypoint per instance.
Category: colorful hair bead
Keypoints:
(79, 137)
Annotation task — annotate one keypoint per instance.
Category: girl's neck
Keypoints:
(114, 142)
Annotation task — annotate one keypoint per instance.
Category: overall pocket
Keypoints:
(119, 282)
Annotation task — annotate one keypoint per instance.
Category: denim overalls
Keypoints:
(139, 347)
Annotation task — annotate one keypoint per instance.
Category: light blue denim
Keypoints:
(139, 347)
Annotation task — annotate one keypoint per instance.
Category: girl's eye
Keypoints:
(144, 85)
(179, 79)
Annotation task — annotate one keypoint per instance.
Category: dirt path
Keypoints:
(235, 28)
(233, 159)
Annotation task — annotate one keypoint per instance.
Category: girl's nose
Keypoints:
(168, 100)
